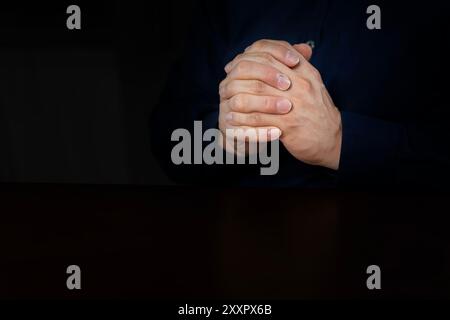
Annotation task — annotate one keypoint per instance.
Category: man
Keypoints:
(367, 109)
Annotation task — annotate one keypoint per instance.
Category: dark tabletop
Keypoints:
(186, 243)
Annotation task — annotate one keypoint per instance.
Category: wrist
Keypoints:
(333, 156)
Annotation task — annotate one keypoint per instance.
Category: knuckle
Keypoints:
(266, 57)
(238, 102)
(260, 44)
(258, 87)
(285, 43)
(268, 105)
(242, 67)
(305, 85)
(315, 74)
(222, 89)
(255, 119)
(227, 89)
(236, 59)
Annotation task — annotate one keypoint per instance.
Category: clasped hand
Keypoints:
(273, 86)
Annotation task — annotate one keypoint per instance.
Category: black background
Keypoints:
(75, 105)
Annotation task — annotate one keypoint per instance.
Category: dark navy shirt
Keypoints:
(388, 85)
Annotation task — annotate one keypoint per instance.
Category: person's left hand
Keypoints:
(311, 131)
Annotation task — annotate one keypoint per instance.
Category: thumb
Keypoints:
(304, 49)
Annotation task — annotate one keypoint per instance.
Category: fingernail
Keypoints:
(229, 117)
(284, 106)
(292, 58)
(283, 82)
(274, 133)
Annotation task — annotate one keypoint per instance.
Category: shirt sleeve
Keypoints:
(379, 153)
(371, 150)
